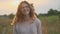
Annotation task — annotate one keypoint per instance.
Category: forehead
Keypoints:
(24, 4)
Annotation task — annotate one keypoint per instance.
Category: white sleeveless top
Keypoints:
(34, 28)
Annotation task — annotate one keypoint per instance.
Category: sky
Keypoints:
(41, 6)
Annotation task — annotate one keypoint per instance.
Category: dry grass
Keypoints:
(50, 25)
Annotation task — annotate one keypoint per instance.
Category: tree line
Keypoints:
(50, 13)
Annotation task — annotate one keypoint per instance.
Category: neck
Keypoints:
(27, 17)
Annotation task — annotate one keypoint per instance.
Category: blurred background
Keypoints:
(48, 11)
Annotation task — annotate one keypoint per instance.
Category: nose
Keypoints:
(25, 8)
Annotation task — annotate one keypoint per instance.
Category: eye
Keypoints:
(27, 6)
(22, 7)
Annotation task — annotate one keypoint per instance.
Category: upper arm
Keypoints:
(39, 27)
(14, 30)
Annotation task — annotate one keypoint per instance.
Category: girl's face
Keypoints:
(25, 9)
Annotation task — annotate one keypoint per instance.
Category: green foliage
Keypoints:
(11, 16)
(50, 13)
(53, 32)
(53, 12)
(52, 19)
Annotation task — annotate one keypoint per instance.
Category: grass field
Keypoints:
(50, 25)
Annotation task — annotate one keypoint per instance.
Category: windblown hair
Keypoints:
(20, 17)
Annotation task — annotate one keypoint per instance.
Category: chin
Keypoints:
(26, 14)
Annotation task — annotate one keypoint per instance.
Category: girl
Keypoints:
(25, 20)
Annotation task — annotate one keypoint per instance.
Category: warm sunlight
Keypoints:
(15, 2)
(40, 6)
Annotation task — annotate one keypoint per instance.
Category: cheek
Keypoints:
(22, 9)
(28, 9)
